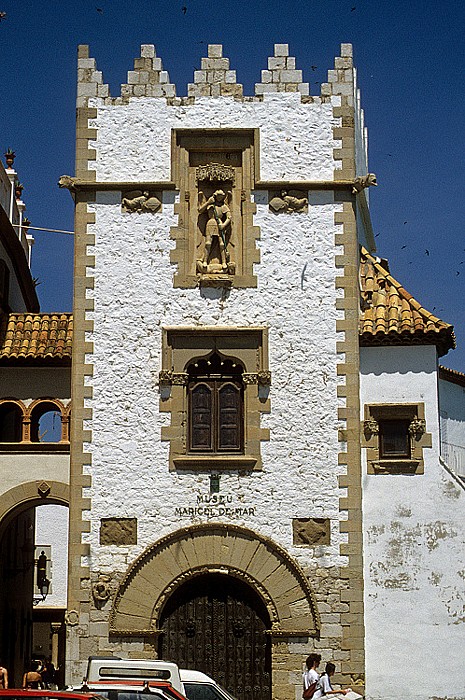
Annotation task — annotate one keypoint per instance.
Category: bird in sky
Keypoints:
(184, 10)
(426, 251)
(313, 67)
(99, 10)
(402, 247)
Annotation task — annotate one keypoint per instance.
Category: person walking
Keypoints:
(310, 676)
(324, 685)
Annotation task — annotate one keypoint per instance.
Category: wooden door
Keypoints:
(217, 624)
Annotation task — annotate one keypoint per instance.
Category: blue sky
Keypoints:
(410, 59)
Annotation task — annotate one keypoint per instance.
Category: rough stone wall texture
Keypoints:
(413, 545)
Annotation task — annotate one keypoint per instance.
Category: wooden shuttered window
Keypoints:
(216, 397)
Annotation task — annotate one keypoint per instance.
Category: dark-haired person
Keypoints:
(324, 686)
(311, 676)
(32, 679)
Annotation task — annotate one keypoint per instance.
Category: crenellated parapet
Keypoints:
(214, 79)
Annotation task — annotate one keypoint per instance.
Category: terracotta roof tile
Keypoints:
(391, 316)
(36, 337)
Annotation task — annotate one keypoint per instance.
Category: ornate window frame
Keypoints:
(180, 346)
(419, 438)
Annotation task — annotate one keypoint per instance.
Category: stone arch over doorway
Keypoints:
(30, 494)
(215, 548)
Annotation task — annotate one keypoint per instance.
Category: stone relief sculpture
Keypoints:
(289, 201)
(216, 230)
(101, 589)
(140, 201)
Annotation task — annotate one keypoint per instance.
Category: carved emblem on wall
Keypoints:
(141, 201)
(119, 531)
(101, 589)
(417, 428)
(288, 201)
(309, 532)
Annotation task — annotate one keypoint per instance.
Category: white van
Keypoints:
(114, 668)
(194, 684)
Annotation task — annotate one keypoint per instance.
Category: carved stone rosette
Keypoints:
(101, 589)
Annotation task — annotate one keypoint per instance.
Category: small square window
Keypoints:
(394, 439)
(394, 436)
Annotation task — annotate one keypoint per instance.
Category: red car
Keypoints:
(21, 694)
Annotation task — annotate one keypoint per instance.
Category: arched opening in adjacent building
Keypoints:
(33, 599)
(218, 624)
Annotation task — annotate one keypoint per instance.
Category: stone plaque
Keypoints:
(310, 532)
(118, 531)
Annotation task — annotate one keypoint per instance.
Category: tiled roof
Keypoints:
(33, 337)
(391, 316)
(452, 375)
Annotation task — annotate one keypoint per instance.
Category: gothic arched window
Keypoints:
(216, 405)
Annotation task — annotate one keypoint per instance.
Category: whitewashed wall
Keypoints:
(452, 416)
(52, 530)
(413, 548)
(134, 299)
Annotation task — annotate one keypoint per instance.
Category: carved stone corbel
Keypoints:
(370, 427)
(263, 377)
(417, 428)
(364, 181)
(168, 376)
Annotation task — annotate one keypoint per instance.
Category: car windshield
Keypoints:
(206, 691)
(128, 694)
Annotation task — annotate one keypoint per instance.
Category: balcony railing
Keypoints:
(14, 208)
(454, 457)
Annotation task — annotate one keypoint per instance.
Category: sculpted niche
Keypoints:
(213, 170)
(215, 224)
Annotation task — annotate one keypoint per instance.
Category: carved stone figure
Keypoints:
(67, 182)
(140, 201)
(289, 201)
(217, 234)
(360, 183)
